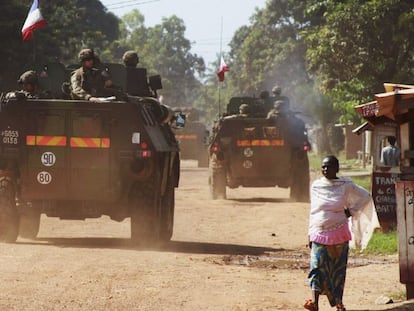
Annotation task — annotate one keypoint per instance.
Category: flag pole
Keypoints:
(219, 62)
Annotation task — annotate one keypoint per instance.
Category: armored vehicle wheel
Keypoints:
(217, 181)
(9, 217)
(29, 223)
(167, 212)
(299, 184)
(145, 203)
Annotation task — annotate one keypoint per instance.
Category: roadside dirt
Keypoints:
(245, 253)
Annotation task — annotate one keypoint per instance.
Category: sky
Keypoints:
(210, 24)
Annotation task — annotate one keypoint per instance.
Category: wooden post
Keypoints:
(405, 225)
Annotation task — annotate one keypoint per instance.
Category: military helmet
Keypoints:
(130, 58)
(277, 90)
(28, 77)
(281, 106)
(86, 54)
(244, 109)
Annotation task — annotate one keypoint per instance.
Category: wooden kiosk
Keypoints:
(392, 114)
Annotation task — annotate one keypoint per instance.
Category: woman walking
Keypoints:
(333, 200)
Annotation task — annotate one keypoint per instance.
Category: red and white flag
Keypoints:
(223, 68)
(33, 21)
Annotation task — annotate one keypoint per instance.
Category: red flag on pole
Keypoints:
(34, 20)
(223, 68)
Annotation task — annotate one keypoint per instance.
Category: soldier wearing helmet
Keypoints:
(295, 129)
(130, 59)
(30, 87)
(244, 110)
(277, 90)
(136, 77)
(277, 95)
(88, 82)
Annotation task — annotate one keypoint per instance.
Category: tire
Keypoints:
(145, 203)
(217, 181)
(300, 177)
(9, 217)
(29, 223)
(167, 212)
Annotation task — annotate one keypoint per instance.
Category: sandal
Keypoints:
(309, 305)
(340, 307)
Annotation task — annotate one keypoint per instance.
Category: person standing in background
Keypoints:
(390, 155)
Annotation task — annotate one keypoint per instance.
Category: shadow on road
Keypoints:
(172, 246)
(407, 306)
(260, 200)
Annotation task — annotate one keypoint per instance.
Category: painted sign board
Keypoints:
(383, 193)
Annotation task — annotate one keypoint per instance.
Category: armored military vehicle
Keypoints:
(75, 159)
(250, 148)
(193, 138)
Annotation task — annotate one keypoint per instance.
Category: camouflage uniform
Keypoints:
(29, 77)
(87, 83)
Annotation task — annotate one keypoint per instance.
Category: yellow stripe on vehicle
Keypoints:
(89, 142)
(38, 140)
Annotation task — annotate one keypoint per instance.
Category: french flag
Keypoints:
(223, 68)
(33, 21)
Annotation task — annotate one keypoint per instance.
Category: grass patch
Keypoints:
(382, 244)
(315, 161)
(363, 181)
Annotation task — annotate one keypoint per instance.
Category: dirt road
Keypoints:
(244, 253)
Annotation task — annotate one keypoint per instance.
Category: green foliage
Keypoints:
(326, 55)
(357, 46)
(162, 49)
(72, 24)
(383, 244)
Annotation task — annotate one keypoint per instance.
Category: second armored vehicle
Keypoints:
(250, 148)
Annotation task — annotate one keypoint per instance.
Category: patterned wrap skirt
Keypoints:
(328, 270)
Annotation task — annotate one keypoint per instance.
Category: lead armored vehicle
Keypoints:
(75, 159)
(251, 147)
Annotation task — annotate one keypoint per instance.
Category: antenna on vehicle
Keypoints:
(219, 62)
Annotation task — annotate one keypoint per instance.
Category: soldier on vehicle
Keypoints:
(244, 110)
(130, 59)
(30, 87)
(277, 94)
(280, 108)
(296, 133)
(87, 82)
(136, 78)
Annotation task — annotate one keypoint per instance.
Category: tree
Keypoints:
(72, 25)
(167, 52)
(358, 46)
